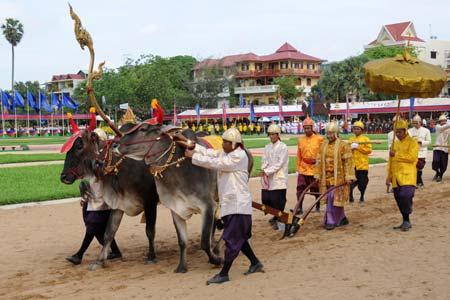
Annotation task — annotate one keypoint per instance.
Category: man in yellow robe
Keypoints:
(402, 171)
(360, 151)
(307, 152)
(335, 168)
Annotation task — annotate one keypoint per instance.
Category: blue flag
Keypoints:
(411, 107)
(56, 102)
(32, 101)
(241, 100)
(252, 113)
(44, 103)
(197, 110)
(69, 102)
(311, 106)
(6, 100)
(18, 100)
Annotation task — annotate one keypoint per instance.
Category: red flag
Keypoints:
(175, 117)
(280, 106)
(224, 113)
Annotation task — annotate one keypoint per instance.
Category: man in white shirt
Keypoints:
(274, 173)
(234, 196)
(423, 137)
(440, 154)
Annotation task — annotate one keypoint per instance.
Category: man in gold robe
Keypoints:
(307, 152)
(402, 171)
(360, 151)
(335, 168)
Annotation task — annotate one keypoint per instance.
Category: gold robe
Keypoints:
(361, 153)
(335, 167)
(403, 165)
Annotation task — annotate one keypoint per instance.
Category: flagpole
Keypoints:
(15, 112)
(3, 117)
(28, 115)
(40, 116)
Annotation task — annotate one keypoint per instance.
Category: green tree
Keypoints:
(13, 32)
(287, 87)
(212, 83)
(382, 51)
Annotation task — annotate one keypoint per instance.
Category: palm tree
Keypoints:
(13, 32)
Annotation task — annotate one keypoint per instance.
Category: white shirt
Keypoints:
(275, 164)
(423, 135)
(442, 134)
(232, 178)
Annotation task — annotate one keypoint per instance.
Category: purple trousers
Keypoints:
(404, 197)
(237, 229)
(440, 161)
(334, 214)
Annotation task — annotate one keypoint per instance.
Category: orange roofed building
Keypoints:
(254, 75)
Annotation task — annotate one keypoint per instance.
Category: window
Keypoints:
(433, 54)
(310, 66)
(308, 81)
(258, 67)
(284, 65)
(244, 67)
(297, 65)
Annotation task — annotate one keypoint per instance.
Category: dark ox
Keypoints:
(185, 190)
(131, 191)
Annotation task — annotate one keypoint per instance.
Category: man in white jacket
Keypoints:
(423, 137)
(440, 153)
(235, 199)
(274, 173)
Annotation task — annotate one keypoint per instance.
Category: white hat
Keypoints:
(443, 117)
(232, 135)
(274, 128)
(417, 118)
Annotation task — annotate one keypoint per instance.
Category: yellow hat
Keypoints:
(332, 127)
(359, 124)
(401, 124)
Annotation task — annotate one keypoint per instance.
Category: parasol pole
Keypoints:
(397, 116)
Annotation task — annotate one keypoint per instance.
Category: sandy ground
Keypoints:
(364, 260)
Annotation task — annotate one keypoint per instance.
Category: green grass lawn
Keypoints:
(37, 183)
(23, 157)
(48, 140)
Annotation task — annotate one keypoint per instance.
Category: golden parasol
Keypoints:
(404, 76)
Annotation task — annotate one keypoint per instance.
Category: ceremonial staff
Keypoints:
(84, 39)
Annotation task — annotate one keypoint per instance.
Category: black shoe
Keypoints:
(344, 222)
(272, 220)
(218, 279)
(275, 226)
(416, 187)
(435, 176)
(362, 200)
(405, 226)
(258, 267)
(352, 199)
(439, 179)
(114, 255)
(420, 184)
(330, 226)
(74, 259)
(299, 211)
(317, 209)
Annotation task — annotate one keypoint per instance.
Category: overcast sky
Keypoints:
(328, 29)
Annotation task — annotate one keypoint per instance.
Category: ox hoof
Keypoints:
(96, 266)
(181, 269)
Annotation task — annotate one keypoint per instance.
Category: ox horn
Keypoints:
(72, 123)
(84, 39)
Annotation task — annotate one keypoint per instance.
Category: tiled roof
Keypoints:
(67, 76)
(286, 51)
(396, 30)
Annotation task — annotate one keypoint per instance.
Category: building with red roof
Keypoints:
(254, 75)
(65, 83)
(397, 34)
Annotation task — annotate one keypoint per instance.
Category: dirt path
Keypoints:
(364, 260)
